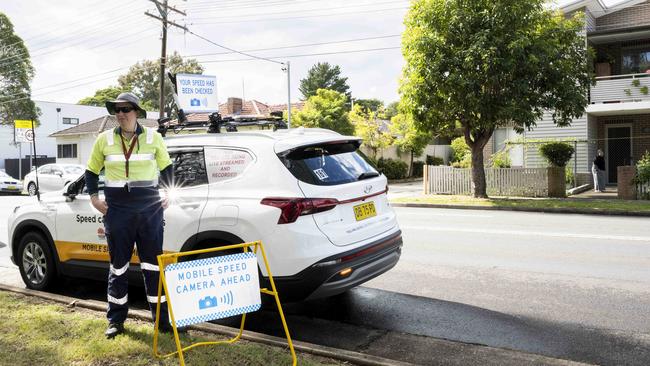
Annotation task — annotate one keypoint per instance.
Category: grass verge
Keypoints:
(586, 205)
(34, 331)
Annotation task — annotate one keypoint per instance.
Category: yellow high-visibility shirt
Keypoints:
(149, 156)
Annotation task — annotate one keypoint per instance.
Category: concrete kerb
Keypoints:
(525, 209)
(338, 354)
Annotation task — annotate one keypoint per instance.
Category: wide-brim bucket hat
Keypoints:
(126, 98)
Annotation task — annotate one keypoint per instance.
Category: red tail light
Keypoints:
(293, 207)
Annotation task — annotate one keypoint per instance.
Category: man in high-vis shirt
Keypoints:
(134, 159)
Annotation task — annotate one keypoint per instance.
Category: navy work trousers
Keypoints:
(133, 217)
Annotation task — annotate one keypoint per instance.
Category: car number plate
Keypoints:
(364, 211)
(12, 187)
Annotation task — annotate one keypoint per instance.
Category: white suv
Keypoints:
(309, 195)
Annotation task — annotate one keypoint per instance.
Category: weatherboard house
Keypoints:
(617, 119)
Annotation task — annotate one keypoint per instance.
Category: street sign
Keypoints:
(197, 93)
(213, 288)
(23, 131)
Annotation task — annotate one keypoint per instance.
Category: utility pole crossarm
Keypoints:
(168, 21)
(161, 5)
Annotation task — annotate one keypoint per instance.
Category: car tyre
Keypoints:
(36, 262)
(31, 189)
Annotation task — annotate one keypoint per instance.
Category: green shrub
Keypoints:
(393, 169)
(568, 174)
(465, 163)
(417, 168)
(501, 159)
(459, 149)
(557, 153)
(434, 160)
(643, 169)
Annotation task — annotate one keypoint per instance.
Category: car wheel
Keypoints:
(36, 262)
(31, 189)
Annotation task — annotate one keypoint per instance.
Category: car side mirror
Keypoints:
(60, 174)
(70, 192)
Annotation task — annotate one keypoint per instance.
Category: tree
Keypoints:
(326, 109)
(323, 76)
(16, 71)
(407, 137)
(391, 110)
(490, 63)
(143, 80)
(102, 96)
(374, 105)
(370, 129)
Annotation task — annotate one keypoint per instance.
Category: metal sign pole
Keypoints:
(20, 161)
(288, 95)
(38, 193)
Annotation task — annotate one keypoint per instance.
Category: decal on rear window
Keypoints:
(320, 173)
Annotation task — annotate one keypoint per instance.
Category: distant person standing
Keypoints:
(598, 170)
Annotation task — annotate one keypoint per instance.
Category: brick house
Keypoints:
(617, 120)
(240, 110)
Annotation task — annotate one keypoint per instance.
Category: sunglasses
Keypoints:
(123, 109)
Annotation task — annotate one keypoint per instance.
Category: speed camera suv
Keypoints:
(309, 195)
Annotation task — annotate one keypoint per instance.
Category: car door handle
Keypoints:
(189, 206)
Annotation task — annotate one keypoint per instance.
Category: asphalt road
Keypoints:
(569, 286)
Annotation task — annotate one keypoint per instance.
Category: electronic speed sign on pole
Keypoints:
(197, 93)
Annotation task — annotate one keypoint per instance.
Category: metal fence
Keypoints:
(525, 182)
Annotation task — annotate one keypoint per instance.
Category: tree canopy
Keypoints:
(370, 128)
(323, 76)
(491, 63)
(16, 71)
(373, 105)
(102, 96)
(326, 109)
(407, 137)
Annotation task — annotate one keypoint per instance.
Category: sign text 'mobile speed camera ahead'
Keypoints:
(213, 288)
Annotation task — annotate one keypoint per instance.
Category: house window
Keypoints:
(66, 151)
(636, 60)
(500, 137)
(70, 121)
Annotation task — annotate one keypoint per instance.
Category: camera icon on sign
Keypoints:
(194, 102)
(208, 302)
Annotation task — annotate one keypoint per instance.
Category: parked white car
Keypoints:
(309, 195)
(9, 184)
(52, 177)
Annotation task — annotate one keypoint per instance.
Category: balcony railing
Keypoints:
(621, 88)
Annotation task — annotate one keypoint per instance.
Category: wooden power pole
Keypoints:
(163, 9)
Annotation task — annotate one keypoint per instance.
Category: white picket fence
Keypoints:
(523, 182)
(643, 191)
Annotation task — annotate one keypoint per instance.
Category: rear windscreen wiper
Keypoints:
(367, 175)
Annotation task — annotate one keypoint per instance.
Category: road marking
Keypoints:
(529, 233)
(427, 214)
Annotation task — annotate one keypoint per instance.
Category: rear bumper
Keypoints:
(323, 279)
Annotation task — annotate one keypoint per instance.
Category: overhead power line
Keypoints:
(307, 54)
(297, 45)
(297, 17)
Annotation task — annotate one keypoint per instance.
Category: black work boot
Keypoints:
(167, 328)
(114, 329)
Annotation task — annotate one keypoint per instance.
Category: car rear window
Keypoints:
(328, 164)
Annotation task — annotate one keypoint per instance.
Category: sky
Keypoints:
(77, 47)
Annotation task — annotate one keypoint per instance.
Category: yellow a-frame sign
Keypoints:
(237, 266)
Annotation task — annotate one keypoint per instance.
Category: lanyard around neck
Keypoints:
(127, 154)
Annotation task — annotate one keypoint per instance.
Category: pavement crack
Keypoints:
(372, 337)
